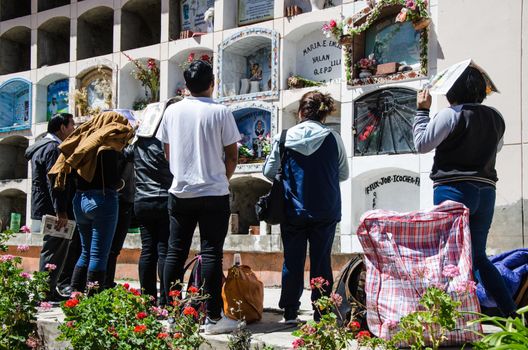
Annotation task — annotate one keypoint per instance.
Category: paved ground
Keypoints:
(268, 331)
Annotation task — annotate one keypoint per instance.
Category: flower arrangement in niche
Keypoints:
(148, 74)
(195, 57)
(415, 11)
(256, 151)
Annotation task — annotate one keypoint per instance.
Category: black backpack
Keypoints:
(351, 286)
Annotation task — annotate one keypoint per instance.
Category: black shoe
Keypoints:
(78, 281)
(55, 298)
(65, 291)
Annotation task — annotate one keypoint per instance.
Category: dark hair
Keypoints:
(198, 76)
(470, 87)
(57, 120)
(315, 105)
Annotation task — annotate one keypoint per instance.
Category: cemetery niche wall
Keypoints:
(188, 18)
(248, 66)
(383, 122)
(15, 105)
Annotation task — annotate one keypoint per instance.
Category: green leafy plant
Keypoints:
(427, 328)
(327, 334)
(20, 296)
(513, 332)
(121, 318)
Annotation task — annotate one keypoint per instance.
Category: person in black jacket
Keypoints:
(153, 180)
(47, 201)
(467, 136)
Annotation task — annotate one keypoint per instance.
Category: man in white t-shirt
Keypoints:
(200, 140)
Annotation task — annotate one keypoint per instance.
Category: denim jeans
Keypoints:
(211, 213)
(479, 197)
(153, 219)
(295, 238)
(96, 215)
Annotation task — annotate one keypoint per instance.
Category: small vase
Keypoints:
(421, 24)
(365, 73)
(317, 4)
(254, 86)
(244, 86)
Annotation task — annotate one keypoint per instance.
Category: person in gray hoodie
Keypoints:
(314, 163)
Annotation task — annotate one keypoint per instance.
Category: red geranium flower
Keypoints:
(363, 335)
(71, 303)
(135, 291)
(126, 286)
(190, 311)
(354, 325)
(193, 290)
(140, 328)
(162, 335)
(333, 23)
(174, 293)
(141, 315)
(176, 303)
(177, 335)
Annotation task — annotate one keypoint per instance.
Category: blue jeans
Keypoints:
(479, 197)
(96, 215)
(295, 238)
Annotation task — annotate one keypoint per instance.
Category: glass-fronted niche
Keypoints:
(383, 122)
(15, 105)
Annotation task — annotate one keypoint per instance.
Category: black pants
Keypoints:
(62, 253)
(295, 238)
(211, 213)
(123, 223)
(153, 219)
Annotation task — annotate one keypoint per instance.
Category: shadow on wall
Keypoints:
(245, 192)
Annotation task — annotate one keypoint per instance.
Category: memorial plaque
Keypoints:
(318, 57)
(192, 14)
(252, 11)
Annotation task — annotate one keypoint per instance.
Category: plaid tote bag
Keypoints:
(405, 253)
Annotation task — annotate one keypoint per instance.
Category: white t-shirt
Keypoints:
(197, 130)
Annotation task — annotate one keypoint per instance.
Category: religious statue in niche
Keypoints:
(259, 69)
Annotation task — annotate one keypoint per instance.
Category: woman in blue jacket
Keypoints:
(314, 163)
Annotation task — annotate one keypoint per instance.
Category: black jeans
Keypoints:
(295, 238)
(123, 222)
(211, 213)
(153, 219)
(64, 254)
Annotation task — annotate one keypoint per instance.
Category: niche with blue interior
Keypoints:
(57, 100)
(254, 125)
(15, 105)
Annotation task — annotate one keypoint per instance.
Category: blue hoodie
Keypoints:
(315, 163)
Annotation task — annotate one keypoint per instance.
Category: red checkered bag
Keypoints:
(397, 245)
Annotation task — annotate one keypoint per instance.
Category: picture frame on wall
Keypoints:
(254, 11)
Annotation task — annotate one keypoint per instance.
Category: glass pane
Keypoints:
(383, 122)
(393, 42)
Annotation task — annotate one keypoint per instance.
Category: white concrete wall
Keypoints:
(489, 32)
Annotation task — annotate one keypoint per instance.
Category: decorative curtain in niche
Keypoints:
(383, 122)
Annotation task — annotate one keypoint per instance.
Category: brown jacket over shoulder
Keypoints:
(105, 131)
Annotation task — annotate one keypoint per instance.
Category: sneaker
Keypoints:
(221, 326)
(296, 320)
